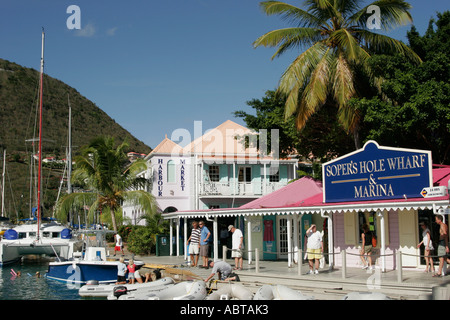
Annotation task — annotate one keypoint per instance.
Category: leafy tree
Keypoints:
(322, 139)
(334, 65)
(417, 111)
(104, 170)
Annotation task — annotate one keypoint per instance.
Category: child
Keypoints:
(121, 271)
(131, 269)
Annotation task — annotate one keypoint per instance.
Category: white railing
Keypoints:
(240, 189)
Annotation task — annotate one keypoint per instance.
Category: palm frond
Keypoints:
(288, 38)
(382, 44)
(393, 13)
(344, 90)
(74, 201)
(290, 13)
(316, 91)
(143, 199)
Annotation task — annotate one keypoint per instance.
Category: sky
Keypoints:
(157, 66)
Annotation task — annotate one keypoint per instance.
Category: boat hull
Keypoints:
(81, 272)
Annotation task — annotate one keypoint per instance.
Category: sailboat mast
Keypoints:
(3, 183)
(41, 82)
(69, 155)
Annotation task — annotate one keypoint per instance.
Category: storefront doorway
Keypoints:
(408, 226)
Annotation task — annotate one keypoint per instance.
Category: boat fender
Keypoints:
(119, 290)
(92, 283)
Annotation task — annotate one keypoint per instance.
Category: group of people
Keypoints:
(199, 245)
(133, 274)
(442, 249)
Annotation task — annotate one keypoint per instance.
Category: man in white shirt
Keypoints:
(314, 248)
(237, 241)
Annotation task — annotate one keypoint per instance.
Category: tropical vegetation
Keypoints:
(412, 110)
(336, 45)
(108, 180)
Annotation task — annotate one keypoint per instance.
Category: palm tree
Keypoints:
(104, 170)
(337, 46)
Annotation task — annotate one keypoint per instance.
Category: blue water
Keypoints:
(30, 287)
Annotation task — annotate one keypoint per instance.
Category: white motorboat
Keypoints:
(91, 263)
(111, 291)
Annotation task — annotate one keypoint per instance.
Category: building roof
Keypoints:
(167, 146)
(222, 140)
(294, 192)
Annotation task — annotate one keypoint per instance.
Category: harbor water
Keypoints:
(28, 286)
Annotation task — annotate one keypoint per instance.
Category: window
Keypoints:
(274, 176)
(245, 174)
(171, 171)
(214, 175)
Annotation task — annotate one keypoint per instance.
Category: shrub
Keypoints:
(141, 240)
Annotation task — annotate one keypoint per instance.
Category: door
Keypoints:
(282, 239)
(245, 180)
(408, 236)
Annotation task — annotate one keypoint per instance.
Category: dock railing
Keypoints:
(343, 253)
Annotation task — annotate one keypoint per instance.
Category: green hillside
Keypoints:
(19, 88)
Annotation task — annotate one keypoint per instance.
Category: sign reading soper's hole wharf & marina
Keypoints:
(377, 173)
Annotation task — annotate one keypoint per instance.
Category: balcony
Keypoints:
(225, 189)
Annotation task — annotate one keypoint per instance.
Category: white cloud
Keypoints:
(111, 31)
(86, 31)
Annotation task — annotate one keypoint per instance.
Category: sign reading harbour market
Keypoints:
(377, 173)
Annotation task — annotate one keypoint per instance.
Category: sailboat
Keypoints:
(38, 237)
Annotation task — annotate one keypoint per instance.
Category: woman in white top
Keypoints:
(428, 244)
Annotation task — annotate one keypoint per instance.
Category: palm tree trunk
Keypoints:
(113, 218)
(356, 138)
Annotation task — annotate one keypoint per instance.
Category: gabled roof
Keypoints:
(167, 146)
(222, 140)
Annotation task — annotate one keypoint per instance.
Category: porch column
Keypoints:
(171, 237)
(289, 240)
(383, 241)
(330, 240)
(178, 237)
(296, 219)
(234, 178)
(216, 239)
(185, 239)
(265, 181)
(249, 239)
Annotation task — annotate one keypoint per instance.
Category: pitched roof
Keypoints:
(222, 140)
(294, 192)
(167, 146)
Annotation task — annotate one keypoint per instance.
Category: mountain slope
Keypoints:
(19, 88)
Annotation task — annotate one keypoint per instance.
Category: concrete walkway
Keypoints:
(328, 284)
